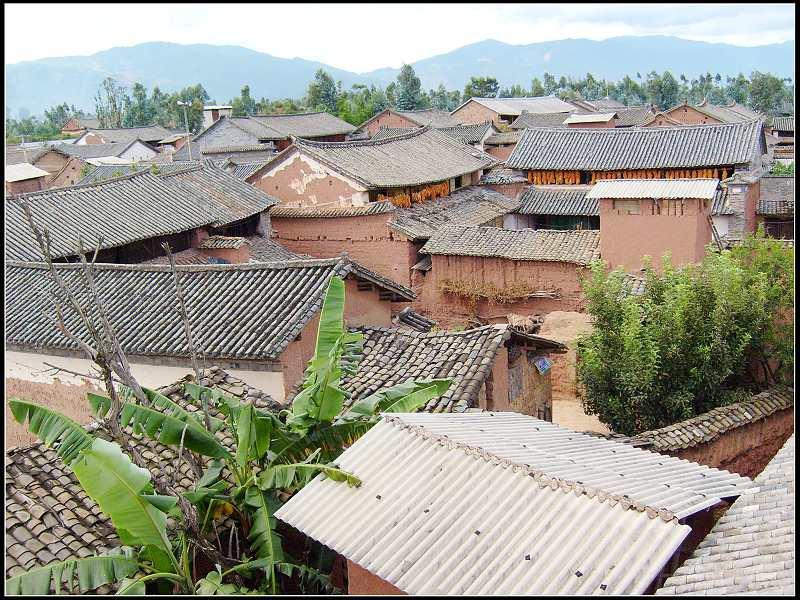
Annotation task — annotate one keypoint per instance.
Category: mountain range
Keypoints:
(223, 70)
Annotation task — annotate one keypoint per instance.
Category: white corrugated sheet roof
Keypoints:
(590, 118)
(22, 171)
(502, 503)
(655, 188)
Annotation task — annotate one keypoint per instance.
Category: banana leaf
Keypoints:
(53, 428)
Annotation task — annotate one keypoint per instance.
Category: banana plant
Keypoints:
(272, 455)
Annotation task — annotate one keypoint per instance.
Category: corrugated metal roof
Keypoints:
(750, 550)
(539, 200)
(637, 148)
(22, 171)
(590, 118)
(705, 189)
(502, 503)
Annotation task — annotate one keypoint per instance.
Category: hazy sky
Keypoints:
(362, 37)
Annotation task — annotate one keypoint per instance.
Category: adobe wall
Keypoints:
(92, 138)
(69, 175)
(691, 116)
(500, 152)
(474, 113)
(745, 450)
(529, 392)
(390, 119)
(495, 394)
(626, 238)
(26, 185)
(452, 310)
(360, 308)
(361, 582)
(510, 190)
(234, 256)
(366, 239)
(52, 162)
(301, 181)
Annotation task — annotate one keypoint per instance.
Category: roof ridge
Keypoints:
(80, 186)
(146, 267)
(541, 477)
(413, 132)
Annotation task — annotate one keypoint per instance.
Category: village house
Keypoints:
(504, 181)
(275, 306)
(503, 111)
(554, 207)
(776, 206)
(98, 173)
(78, 125)
(485, 273)
(625, 116)
(472, 135)
(750, 550)
(61, 167)
(384, 237)
(149, 134)
(704, 113)
(501, 145)
(482, 503)
(783, 129)
(407, 119)
(652, 217)
(134, 214)
(404, 169)
(126, 152)
(733, 152)
(24, 177)
(494, 367)
(273, 132)
(213, 112)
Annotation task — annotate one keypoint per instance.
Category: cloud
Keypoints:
(363, 37)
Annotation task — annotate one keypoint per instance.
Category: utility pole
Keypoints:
(186, 122)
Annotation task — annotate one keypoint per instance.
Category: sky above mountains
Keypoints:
(363, 37)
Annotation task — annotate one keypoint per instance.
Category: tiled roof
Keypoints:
(720, 205)
(776, 196)
(102, 172)
(637, 148)
(783, 124)
(313, 212)
(750, 550)
(469, 134)
(48, 515)
(244, 170)
(633, 116)
(501, 176)
(23, 171)
(262, 249)
(420, 156)
(223, 242)
(571, 246)
(711, 425)
(504, 137)
(86, 151)
(705, 189)
(633, 285)
(515, 106)
(393, 355)
(601, 105)
(540, 200)
(732, 113)
(384, 133)
(492, 503)
(471, 205)
(527, 119)
(227, 322)
(413, 320)
(306, 125)
(151, 133)
(429, 116)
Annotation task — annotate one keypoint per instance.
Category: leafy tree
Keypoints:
(662, 90)
(782, 169)
(684, 346)
(481, 87)
(139, 110)
(197, 96)
(243, 105)
(738, 89)
(57, 116)
(322, 94)
(515, 91)
(110, 102)
(550, 84)
(271, 455)
(408, 89)
(767, 92)
(537, 89)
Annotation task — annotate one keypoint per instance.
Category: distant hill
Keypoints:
(36, 85)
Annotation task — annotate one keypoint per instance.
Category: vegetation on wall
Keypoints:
(474, 291)
(780, 168)
(698, 337)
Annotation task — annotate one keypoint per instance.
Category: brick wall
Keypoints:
(691, 116)
(367, 240)
(626, 238)
(500, 152)
(70, 174)
(475, 113)
(389, 119)
(511, 190)
(26, 185)
(744, 450)
(301, 181)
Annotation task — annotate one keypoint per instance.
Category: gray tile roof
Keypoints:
(384, 133)
(528, 119)
(601, 105)
(246, 311)
(262, 249)
(229, 242)
(720, 205)
(502, 138)
(50, 518)
(633, 285)
(244, 170)
(392, 355)
(732, 113)
(420, 156)
(633, 116)
(95, 150)
(469, 134)
(637, 148)
(571, 246)
(777, 196)
(429, 116)
(411, 319)
(471, 205)
(501, 176)
(783, 124)
(100, 173)
(750, 550)
(312, 212)
(306, 125)
(710, 425)
(150, 133)
(541, 200)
